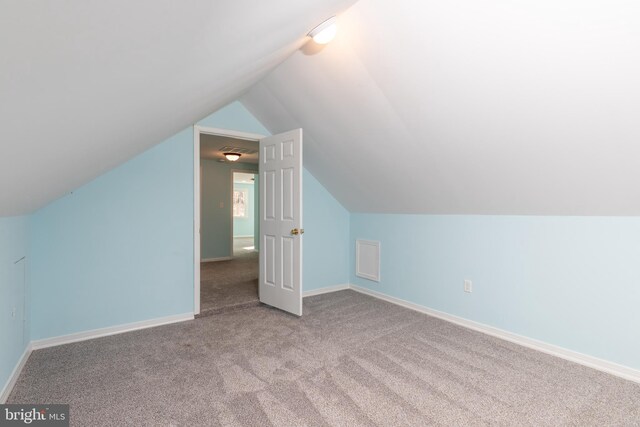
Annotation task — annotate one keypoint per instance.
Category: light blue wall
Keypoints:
(215, 221)
(326, 237)
(569, 281)
(119, 249)
(13, 247)
(244, 226)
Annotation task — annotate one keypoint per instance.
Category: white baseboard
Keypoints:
(243, 237)
(112, 330)
(222, 258)
(554, 350)
(325, 290)
(13, 378)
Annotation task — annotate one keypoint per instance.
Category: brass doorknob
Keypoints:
(295, 231)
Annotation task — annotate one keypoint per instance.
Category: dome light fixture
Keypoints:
(325, 32)
(232, 157)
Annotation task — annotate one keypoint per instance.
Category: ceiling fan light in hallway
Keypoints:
(232, 157)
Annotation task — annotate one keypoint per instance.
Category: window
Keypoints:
(240, 208)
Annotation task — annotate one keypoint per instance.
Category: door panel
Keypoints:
(269, 248)
(288, 194)
(270, 195)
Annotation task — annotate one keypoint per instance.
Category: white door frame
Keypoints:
(250, 171)
(197, 130)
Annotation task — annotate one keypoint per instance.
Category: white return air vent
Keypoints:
(368, 259)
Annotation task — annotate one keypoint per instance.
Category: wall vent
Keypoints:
(368, 259)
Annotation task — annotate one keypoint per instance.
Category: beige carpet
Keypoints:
(229, 284)
(350, 360)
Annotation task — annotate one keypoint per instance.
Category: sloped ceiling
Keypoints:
(86, 85)
(470, 107)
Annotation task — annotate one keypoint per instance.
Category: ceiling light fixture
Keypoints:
(325, 32)
(232, 157)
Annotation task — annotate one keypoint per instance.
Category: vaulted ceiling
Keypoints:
(418, 106)
(86, 85)
(470, 107)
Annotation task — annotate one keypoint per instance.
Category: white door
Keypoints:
(281, 221)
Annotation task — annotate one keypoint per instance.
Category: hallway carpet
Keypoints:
(351, 360)
(242, 245)
(230, 284)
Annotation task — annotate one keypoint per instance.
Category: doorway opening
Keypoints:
(246, 213)
(272, 273)
(227, 241)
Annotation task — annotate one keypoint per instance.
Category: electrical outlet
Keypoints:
(221, 205)
(13, 312)
(468, 286)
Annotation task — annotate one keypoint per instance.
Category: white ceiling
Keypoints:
(212, 148)
(86, 85)
(243, 178)
(467, 107)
